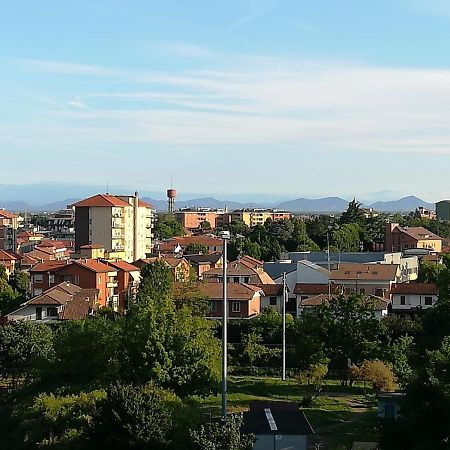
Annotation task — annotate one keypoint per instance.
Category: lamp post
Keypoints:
(328, 260)
(283, 311)
(225, 235)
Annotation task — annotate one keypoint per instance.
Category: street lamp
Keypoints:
(225, 235)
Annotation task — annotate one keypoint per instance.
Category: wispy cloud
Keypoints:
(68, 68)
(256, 10)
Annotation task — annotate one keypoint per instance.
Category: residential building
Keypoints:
(398, 239)
(178, 244)
(180, 268)
(443, 210)
(128, 278)
(201, 263)
(118, 223)
(381, 305)
(303, 291)
(86, 273)
(411, 298)
(244, 270)
(9, 261)
(244, 300)
(368, 279)
(272, 297)
(61, 302)
(61, 224)
(257, 216)
(9, 223)
(193, 218)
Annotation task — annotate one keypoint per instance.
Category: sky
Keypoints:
(246, 99)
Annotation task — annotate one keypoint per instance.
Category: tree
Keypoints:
(222, 436)
(156, 282)
(429, 272)
(313, 376)
(20, 282)
(378, 373)
(257, 354)
(167, 227)
(346, 238)
(353, 215)
(24, 349)
(205, 225)
(196, 248)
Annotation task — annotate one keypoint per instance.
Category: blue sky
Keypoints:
(263, 98)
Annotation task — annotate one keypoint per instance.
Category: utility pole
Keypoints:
(225, 235)
(283, 312)
(329, 264)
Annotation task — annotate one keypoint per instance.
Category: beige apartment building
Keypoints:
(252, 216)
(9, 223)
(120, 223)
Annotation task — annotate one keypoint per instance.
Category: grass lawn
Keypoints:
(340, 415)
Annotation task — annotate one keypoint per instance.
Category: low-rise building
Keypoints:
(178, 244)
(257, 216)
(9, 261)
(61, 302)
(9, 223)
(398, 239)
(202, 263)
(411, 298)
(180, 268)
(272, 297)
(194, 218)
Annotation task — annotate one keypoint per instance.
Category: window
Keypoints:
(303, 297)
(402, 300)
(37, 291)
(236, 280)
(428, 301)
(236, 307)
(38, 313)
(37, 278)
(76, 279)
(247, 280)
(99, 278)
(273, 301)
(52, 312)
(51, 279)
(212, 306)
(362, 291)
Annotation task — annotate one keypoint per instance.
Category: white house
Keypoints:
(408, 298)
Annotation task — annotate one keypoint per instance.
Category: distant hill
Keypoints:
(328, 204)
(410, 203)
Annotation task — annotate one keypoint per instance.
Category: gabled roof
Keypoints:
(56, 295)
(204, 259)
(272, 289)
(5, 255)
(415, 288)
(93, 246)
(123, 265)
(7, 215)
(47, 266)
(315, 288)
(418, 233)
(367, 272)
(235, 291)
(94, 265)
(106, 200)
(380, 303)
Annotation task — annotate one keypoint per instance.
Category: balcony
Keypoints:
(118, 224)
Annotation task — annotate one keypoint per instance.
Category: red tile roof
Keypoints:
(315, 289)
(102, 200)
(237, 291)
(5, 255)
(144, 204)
(48, 266)
(123, 265)
(419, 233)
(357, 271)
(7, 214)
(272, 289)
(415, 288)
(94, 265)
(379, 303)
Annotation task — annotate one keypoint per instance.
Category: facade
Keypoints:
(180, 268)
(9, 261)
(9, 223)
(178, 244)
(192, 218)
(367, 279)
(398, 239)
(86, 273)
(202, 263)
(244, 300)
(272, 296)
(443, 210)
(118, 223)
(253, 216)
(61, 302)
(411, 298)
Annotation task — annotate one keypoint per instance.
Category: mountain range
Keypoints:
(327, 204)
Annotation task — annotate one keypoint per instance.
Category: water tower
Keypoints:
(171, 194)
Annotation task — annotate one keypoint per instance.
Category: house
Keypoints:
(244, 270)
(201, 263)
(302, 291)
(128, 278)
(180, 268)
(277, 425)
(61, 302)
(368, 279)
(410, 298)
(9, 261)
(380, 304)
(273, 296)
(119, 223)
(9, 223)
(244, 300)
(86, 273)
(257, 216)
(193, 218)
(398, 239)
(179, 243)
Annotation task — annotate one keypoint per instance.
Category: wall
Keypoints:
(101, 227)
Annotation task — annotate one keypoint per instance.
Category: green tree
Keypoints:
(156, 282)
(346, 238)
(219, 436)
(353, 215)
(167, 227)
(24, 349)
(378, 373)
(196, 248)
(429, 272)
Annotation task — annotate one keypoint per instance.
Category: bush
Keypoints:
(376, 372)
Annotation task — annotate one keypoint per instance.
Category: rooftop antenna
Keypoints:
(107, 186)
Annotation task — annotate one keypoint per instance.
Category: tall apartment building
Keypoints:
(9, 223)
(253, 216)
(120, 223)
